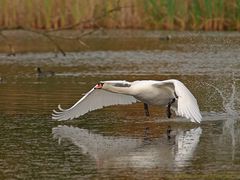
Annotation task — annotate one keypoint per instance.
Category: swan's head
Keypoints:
(99, 85)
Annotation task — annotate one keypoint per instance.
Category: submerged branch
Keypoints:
(48, 36)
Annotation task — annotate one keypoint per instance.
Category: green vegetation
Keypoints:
(146, 14)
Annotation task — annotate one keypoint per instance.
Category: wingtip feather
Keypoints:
(60, 108)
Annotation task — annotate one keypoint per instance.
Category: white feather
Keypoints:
(187, 104)
(94, 99)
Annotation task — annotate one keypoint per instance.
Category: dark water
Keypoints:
(112, 143)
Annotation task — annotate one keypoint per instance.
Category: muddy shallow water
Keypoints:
(113, 142)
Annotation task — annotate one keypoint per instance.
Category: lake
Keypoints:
(119, 142)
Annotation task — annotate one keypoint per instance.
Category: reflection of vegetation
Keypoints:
(149, 14)
(60, 26)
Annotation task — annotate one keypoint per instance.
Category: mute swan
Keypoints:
(171, 93)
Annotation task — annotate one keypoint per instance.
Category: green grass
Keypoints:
(197, 14)
(146, 14)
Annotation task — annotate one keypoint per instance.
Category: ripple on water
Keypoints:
(113, 142)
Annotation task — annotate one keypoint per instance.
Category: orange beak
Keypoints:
(98, 86)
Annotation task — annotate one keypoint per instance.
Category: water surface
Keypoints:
(113, 142)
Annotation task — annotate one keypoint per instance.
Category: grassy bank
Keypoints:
(146, 14)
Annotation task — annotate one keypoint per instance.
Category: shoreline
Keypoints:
(23, 41)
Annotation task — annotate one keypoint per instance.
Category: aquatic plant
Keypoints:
(146, 14)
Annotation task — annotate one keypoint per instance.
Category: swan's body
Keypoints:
(171, 93)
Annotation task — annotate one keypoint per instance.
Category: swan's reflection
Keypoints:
(134, 152)
(96, 145)
(186, 144)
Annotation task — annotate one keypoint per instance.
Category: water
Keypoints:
(113, 142)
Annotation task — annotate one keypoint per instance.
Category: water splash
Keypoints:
(230, 101)
(233, 116)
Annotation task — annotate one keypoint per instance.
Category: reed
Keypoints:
(238, 14)
(196, 14)
(146, 14)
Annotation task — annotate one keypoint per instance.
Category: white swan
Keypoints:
(171, 93)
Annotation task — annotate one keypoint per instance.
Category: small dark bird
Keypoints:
(41, 73)
(1, 79)
(166, 38)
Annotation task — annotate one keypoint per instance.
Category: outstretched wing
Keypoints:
(94, 99)
(187, 105)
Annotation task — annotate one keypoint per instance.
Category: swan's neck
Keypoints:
(119, 90)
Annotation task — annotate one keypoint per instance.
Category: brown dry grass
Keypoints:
(145, 14)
